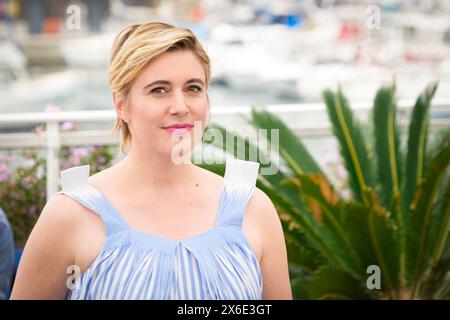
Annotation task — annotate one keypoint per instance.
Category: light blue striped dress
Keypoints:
(216, 264)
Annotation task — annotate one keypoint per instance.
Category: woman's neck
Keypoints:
(155, 169)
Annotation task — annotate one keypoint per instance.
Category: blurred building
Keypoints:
(44, 16)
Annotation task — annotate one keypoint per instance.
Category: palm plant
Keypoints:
(397, 218)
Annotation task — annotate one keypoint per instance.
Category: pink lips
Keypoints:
(179, 127)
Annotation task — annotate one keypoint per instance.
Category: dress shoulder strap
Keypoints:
(240, 183)
(74, 182)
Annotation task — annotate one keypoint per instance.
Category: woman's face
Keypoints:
(170, 90)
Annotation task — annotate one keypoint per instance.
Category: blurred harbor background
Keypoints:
(275, 53)
(263, 52)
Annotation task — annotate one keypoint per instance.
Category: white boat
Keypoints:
(246, 63)
(87, 51)
(22, 92)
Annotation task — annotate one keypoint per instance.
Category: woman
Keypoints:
(151, 226)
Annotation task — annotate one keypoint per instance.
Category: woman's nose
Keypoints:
(179, 105)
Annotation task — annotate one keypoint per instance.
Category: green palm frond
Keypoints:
(387, 144)
(234, 144)
(301, 219)
(382, 231)
(329, 283)
(317, 188)
(389, 160)
(420, 223)
(242, 147)
(354, 150)
(435, 142)
(417, 140)
(437, 283)
(290, 147)
(440, 223)
(355, 221)
(301, 253)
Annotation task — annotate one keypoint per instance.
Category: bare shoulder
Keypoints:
(260, 198)
(258, 215)
(274, 265)
(265, 217)
(62, 211)
(261, 207)
(48, 252)
(61, 221)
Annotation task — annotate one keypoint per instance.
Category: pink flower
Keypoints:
(323, 163)
(100, 159)
(28, 181)
(28, 162)
(39, 129)
(32, 210)
(14, 195)
(78, 154)
(52, 108)
(4, 172)
(67, 126)
(66, 166)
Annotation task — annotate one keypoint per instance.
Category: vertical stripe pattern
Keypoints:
(132, 265)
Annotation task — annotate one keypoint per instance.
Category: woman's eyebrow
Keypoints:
(196, 80)
(156, 82)
(165, 82)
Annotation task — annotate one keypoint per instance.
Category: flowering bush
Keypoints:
(22, 192)
(23, 180)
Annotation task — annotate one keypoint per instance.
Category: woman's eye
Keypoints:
(194, 89)
(159, 90)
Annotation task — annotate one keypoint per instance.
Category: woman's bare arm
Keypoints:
(274, 264)
(49, 251)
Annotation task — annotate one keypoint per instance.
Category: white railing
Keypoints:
(307, 120)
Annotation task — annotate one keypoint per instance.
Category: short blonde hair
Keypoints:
(135, 46)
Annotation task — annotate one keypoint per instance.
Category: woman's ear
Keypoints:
(119, 105)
